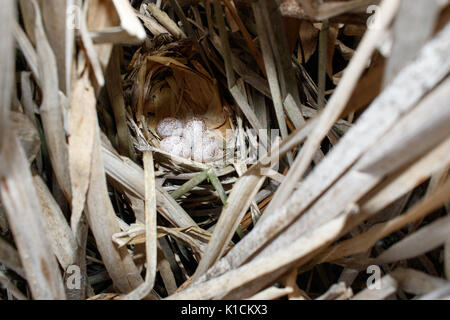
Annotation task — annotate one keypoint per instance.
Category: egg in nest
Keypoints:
(188, 140)
(177, 146)
(168, 127)
(205, 149)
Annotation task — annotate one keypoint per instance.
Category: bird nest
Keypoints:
(167, 83)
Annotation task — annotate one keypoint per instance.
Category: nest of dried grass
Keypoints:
(168, 80)
(355, 178)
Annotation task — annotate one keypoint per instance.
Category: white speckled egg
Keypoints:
(205, 149)
(169, 127)
(194, 130)
(177, 146)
